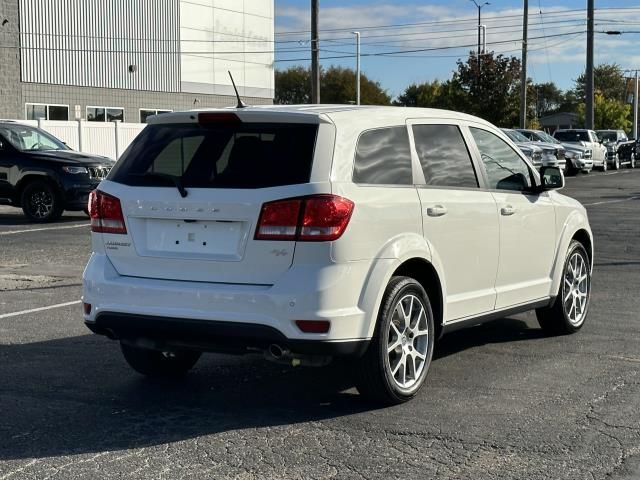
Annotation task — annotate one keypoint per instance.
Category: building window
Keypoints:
(147, 112)
(36, 111)
(105, 114)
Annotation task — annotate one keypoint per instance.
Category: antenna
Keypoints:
(240, 102)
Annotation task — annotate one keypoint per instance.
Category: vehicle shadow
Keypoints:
(17, 219)
(76, 395)
(502, 330)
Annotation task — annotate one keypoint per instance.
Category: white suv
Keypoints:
(308, 232)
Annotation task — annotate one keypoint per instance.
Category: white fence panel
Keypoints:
(127, 132)
(107, 139)
(65, 131)
(99, 139)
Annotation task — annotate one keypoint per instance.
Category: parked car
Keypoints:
(612, 140)
(587, 139)
(577, 158)
(552, 155)
(309, 233)
(42, 175)
(628, 152)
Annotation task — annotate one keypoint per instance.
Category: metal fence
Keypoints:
(108, 139)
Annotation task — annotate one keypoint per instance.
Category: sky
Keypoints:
(432, 35)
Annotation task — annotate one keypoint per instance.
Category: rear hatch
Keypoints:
(191, 194)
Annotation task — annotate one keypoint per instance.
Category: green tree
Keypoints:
(337, 85)
(547, 98)
(426, 94)
(608, 80)
(488, 89)
(293, 86)
(608, 113)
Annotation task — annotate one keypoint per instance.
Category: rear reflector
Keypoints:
(106, 213)
(315, 218)
(313, 326)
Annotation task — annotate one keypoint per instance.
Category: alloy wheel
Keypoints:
(408, 341)
(576, 289)
(40, 204)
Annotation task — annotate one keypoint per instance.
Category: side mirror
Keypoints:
(551, 178)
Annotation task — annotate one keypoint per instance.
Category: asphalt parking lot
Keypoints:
(501, 402)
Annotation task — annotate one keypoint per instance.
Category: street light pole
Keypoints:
(479, 6)
(357, 34)
(523, 71)
(635, 107)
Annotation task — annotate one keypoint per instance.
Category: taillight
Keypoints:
(106, 213)
(315, 218)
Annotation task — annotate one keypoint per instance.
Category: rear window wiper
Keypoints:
(177, 181)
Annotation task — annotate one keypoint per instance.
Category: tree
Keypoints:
(491, 93)
(608, 80)
(608, 113)
(547, 98)
(293, 86)
(337, 85)
(426, 94)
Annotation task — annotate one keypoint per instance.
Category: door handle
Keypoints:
(436, 211)
(507, 210)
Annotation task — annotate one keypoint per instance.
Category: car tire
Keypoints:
(154, 363)
(41, 202)
(395, 365)
(569, 310)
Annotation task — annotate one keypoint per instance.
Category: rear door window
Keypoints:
(383, 157)
(444, 157)
(243, 155)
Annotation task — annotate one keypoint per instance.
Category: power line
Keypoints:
(385, 54)
(558, 13)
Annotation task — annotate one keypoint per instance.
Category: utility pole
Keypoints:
(523, 70)
(589, 72)
(315, 54)
(357, 34)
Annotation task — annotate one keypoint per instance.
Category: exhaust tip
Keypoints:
(276, 351)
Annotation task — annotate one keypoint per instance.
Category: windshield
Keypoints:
(516, 136)
(572, 136)
(242, 155)
(25, 138)
(607, 135)
(545, 137)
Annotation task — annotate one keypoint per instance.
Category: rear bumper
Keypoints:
(143, 305)
(232, 337)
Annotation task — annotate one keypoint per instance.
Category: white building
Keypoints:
(103, 60)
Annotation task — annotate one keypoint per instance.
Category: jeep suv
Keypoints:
(310, 232)
(44, 176)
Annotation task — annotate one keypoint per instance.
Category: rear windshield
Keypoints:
(572, 136)
(243, 155)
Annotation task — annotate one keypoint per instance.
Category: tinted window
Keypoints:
(505, 169)
(225, 155)
(444, 156)
(383, 157)
(572, 136)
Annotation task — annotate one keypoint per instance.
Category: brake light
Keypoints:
(315, 218)
(207, 118)
(106, 213)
